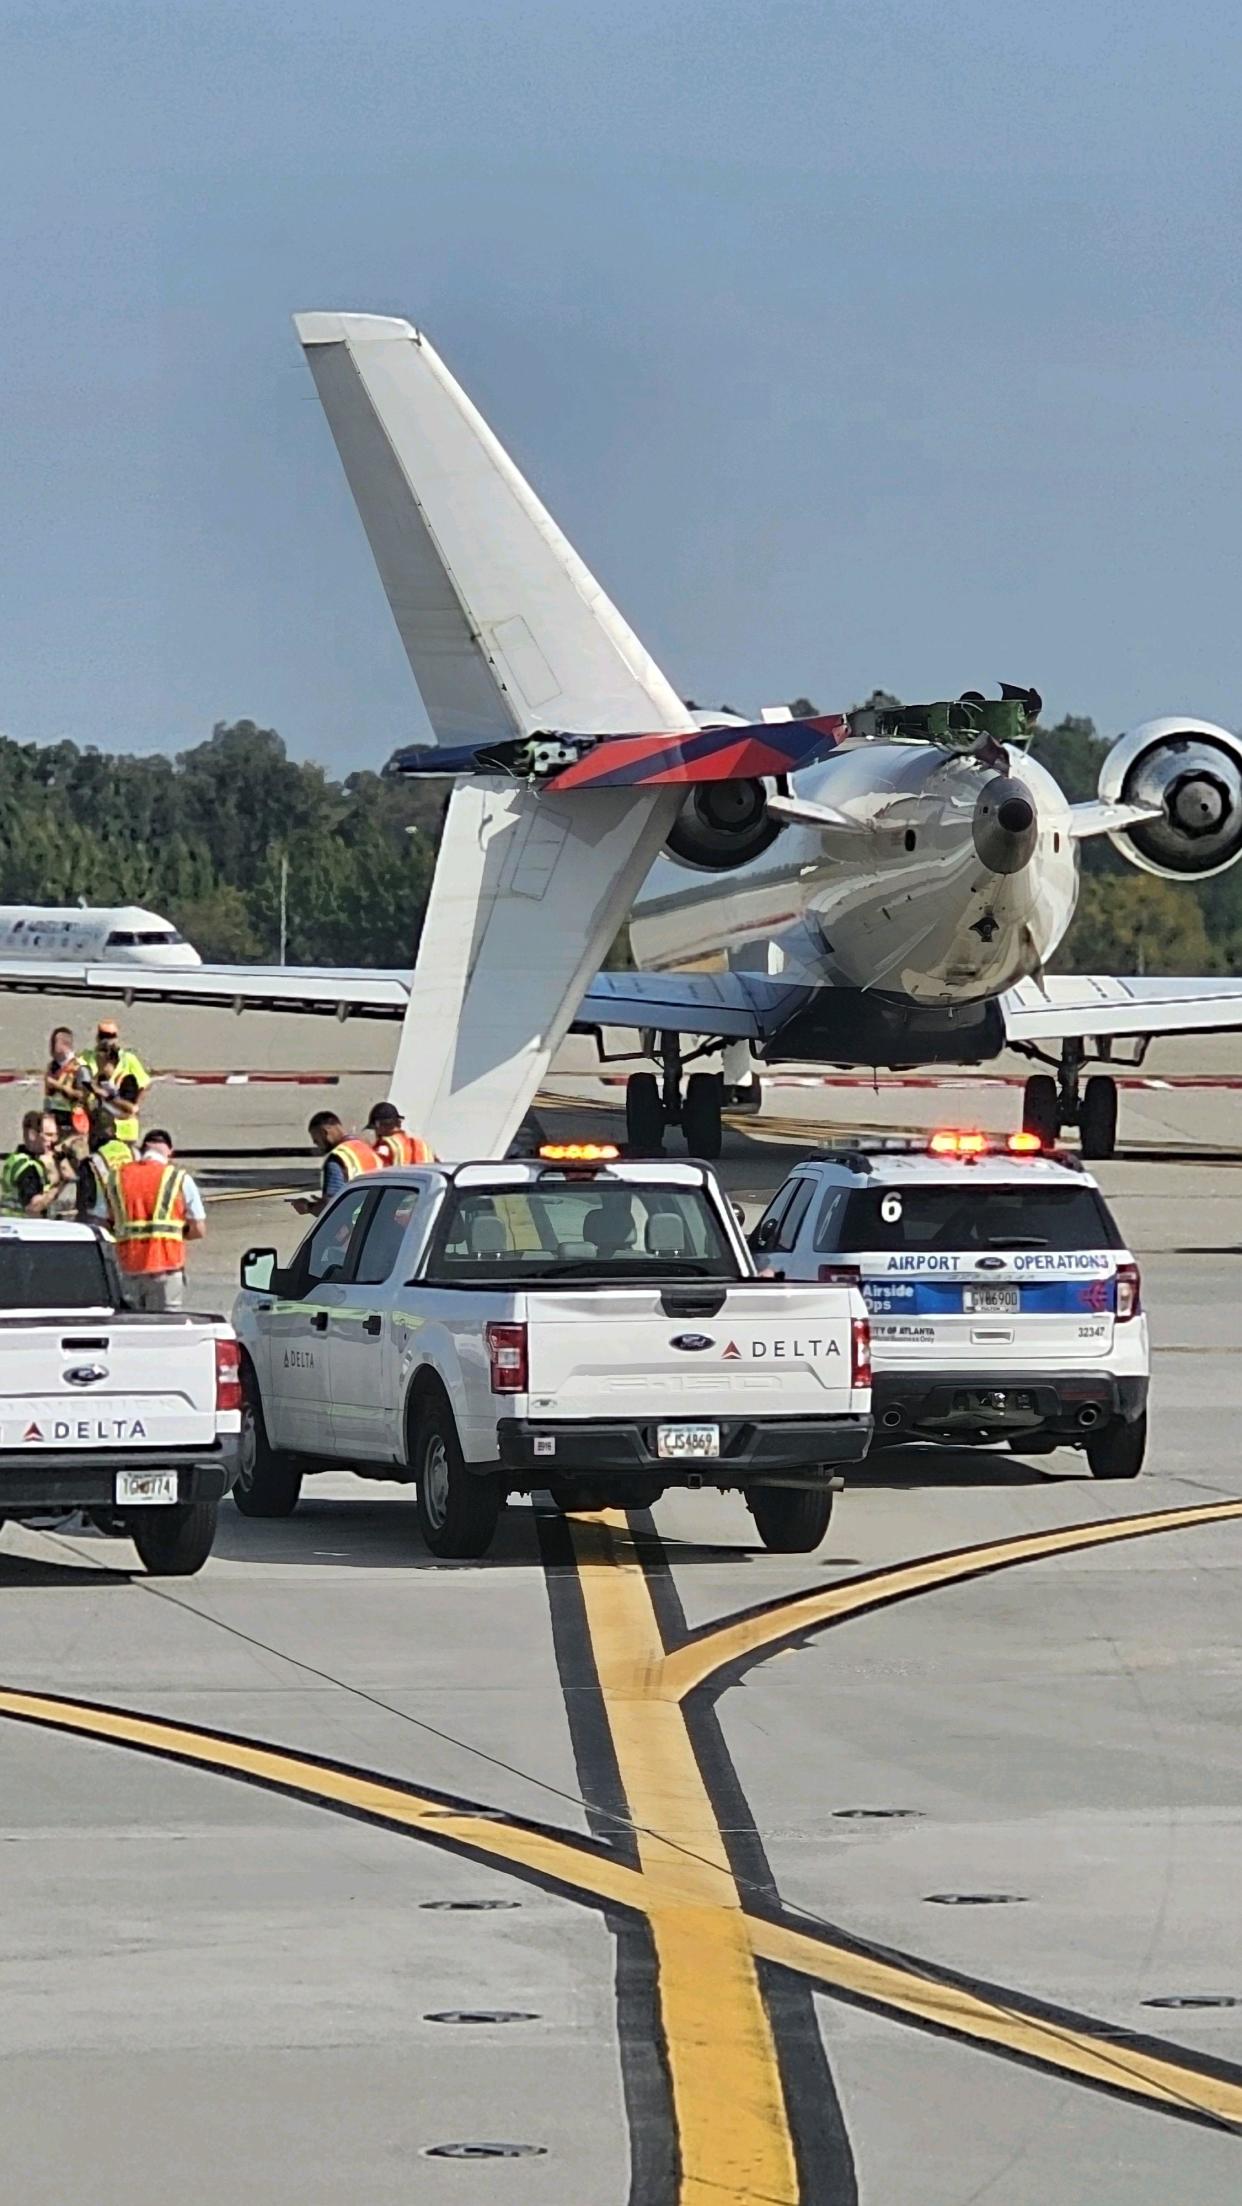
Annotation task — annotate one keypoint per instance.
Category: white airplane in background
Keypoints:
(885, 890)
(122, 934)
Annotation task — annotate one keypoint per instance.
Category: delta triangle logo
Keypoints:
(32, 1432)
(732, 1353)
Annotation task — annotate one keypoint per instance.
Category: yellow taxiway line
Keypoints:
(743, 1638)
(735, 2142)
(729, 2105)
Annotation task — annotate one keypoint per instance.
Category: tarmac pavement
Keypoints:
(893, 1891)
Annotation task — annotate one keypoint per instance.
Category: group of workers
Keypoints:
(84, 1153)
(383, 1144)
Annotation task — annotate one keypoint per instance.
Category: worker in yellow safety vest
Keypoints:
(155, 1209)
(32, 1177)
(98, 1168)
(344, 1155)
(117, 1076)
(392, 1143)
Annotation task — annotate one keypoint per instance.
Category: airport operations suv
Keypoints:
(1004, 1303)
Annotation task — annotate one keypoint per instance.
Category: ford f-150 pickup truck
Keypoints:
(597, 1328)
(130, 1419)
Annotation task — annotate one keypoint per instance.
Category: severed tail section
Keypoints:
(508, 634)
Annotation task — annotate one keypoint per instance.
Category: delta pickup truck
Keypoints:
(570, 1322)
(130, 1419)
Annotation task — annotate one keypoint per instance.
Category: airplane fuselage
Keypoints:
(114, 935)
(918, 896)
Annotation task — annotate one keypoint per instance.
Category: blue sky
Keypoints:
(886, 342)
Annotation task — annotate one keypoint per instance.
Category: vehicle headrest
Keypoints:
(666, 1235)
(488, 1237)
(576, 1252)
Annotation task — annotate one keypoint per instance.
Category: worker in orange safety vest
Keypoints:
(392, 1143)
(154, 1208)
(344, 1157)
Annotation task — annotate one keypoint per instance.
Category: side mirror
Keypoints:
(258, 1267)
(764, 1235)
(740, 1214)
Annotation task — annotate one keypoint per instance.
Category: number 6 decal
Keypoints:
(890, 1209)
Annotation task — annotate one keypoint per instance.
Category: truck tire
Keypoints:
(458, 1510)
(267, 1484)
(174, 1543)
(1118, 1448)
(790, 1520)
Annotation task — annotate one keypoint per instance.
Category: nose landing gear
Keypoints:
(1051, 1104)
(653, 1104)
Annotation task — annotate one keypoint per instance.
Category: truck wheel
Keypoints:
(700, 1115)
(790, 1520)
(267, 1484)
(1041, 1109)
(174, 1543)
(644, 1115)
(458, 1510)
(1117, 1449)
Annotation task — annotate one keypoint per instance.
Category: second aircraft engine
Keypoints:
(1192, 771)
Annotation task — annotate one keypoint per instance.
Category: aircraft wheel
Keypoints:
(644, 1115)
(1097, 1117)
(700, 1115)
(1041, 1113)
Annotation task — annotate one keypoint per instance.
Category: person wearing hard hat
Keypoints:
(392, 1143)
(155, 1208)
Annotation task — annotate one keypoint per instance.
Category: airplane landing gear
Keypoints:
(1050, 1105)
(652, 1105)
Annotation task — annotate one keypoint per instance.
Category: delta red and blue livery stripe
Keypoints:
(704, 754)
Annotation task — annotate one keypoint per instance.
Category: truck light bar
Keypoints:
(579, 1152)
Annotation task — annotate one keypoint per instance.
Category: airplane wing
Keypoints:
(507, 632)
(1100, 1006)
(339, 992)
(742, 1007)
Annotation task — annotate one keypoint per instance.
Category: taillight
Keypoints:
(1129, 1292)
(228, 1375)
(840, 1275)
(860, 1352)
(506, 1351)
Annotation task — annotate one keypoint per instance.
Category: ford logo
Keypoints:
(692, 1341)
(989, 1263)
(86, 1374)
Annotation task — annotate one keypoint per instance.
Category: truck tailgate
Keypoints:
(106, 1383)
(778, 1351)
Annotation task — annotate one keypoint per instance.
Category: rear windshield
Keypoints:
(53, 1275)
(923, 1219)
(578, 1231)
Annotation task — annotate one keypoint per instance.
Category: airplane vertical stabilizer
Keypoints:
(504, 626)
(506, 631)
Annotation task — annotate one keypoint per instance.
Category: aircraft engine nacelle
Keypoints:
(1193, 771)
(724, 824)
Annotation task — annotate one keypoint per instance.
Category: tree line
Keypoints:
(203, 839)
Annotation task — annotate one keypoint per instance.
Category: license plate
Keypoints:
(687, 1440)
(149, 1489)
(991, 1301)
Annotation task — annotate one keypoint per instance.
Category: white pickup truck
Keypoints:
(131, 1419)
(595, 1328)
